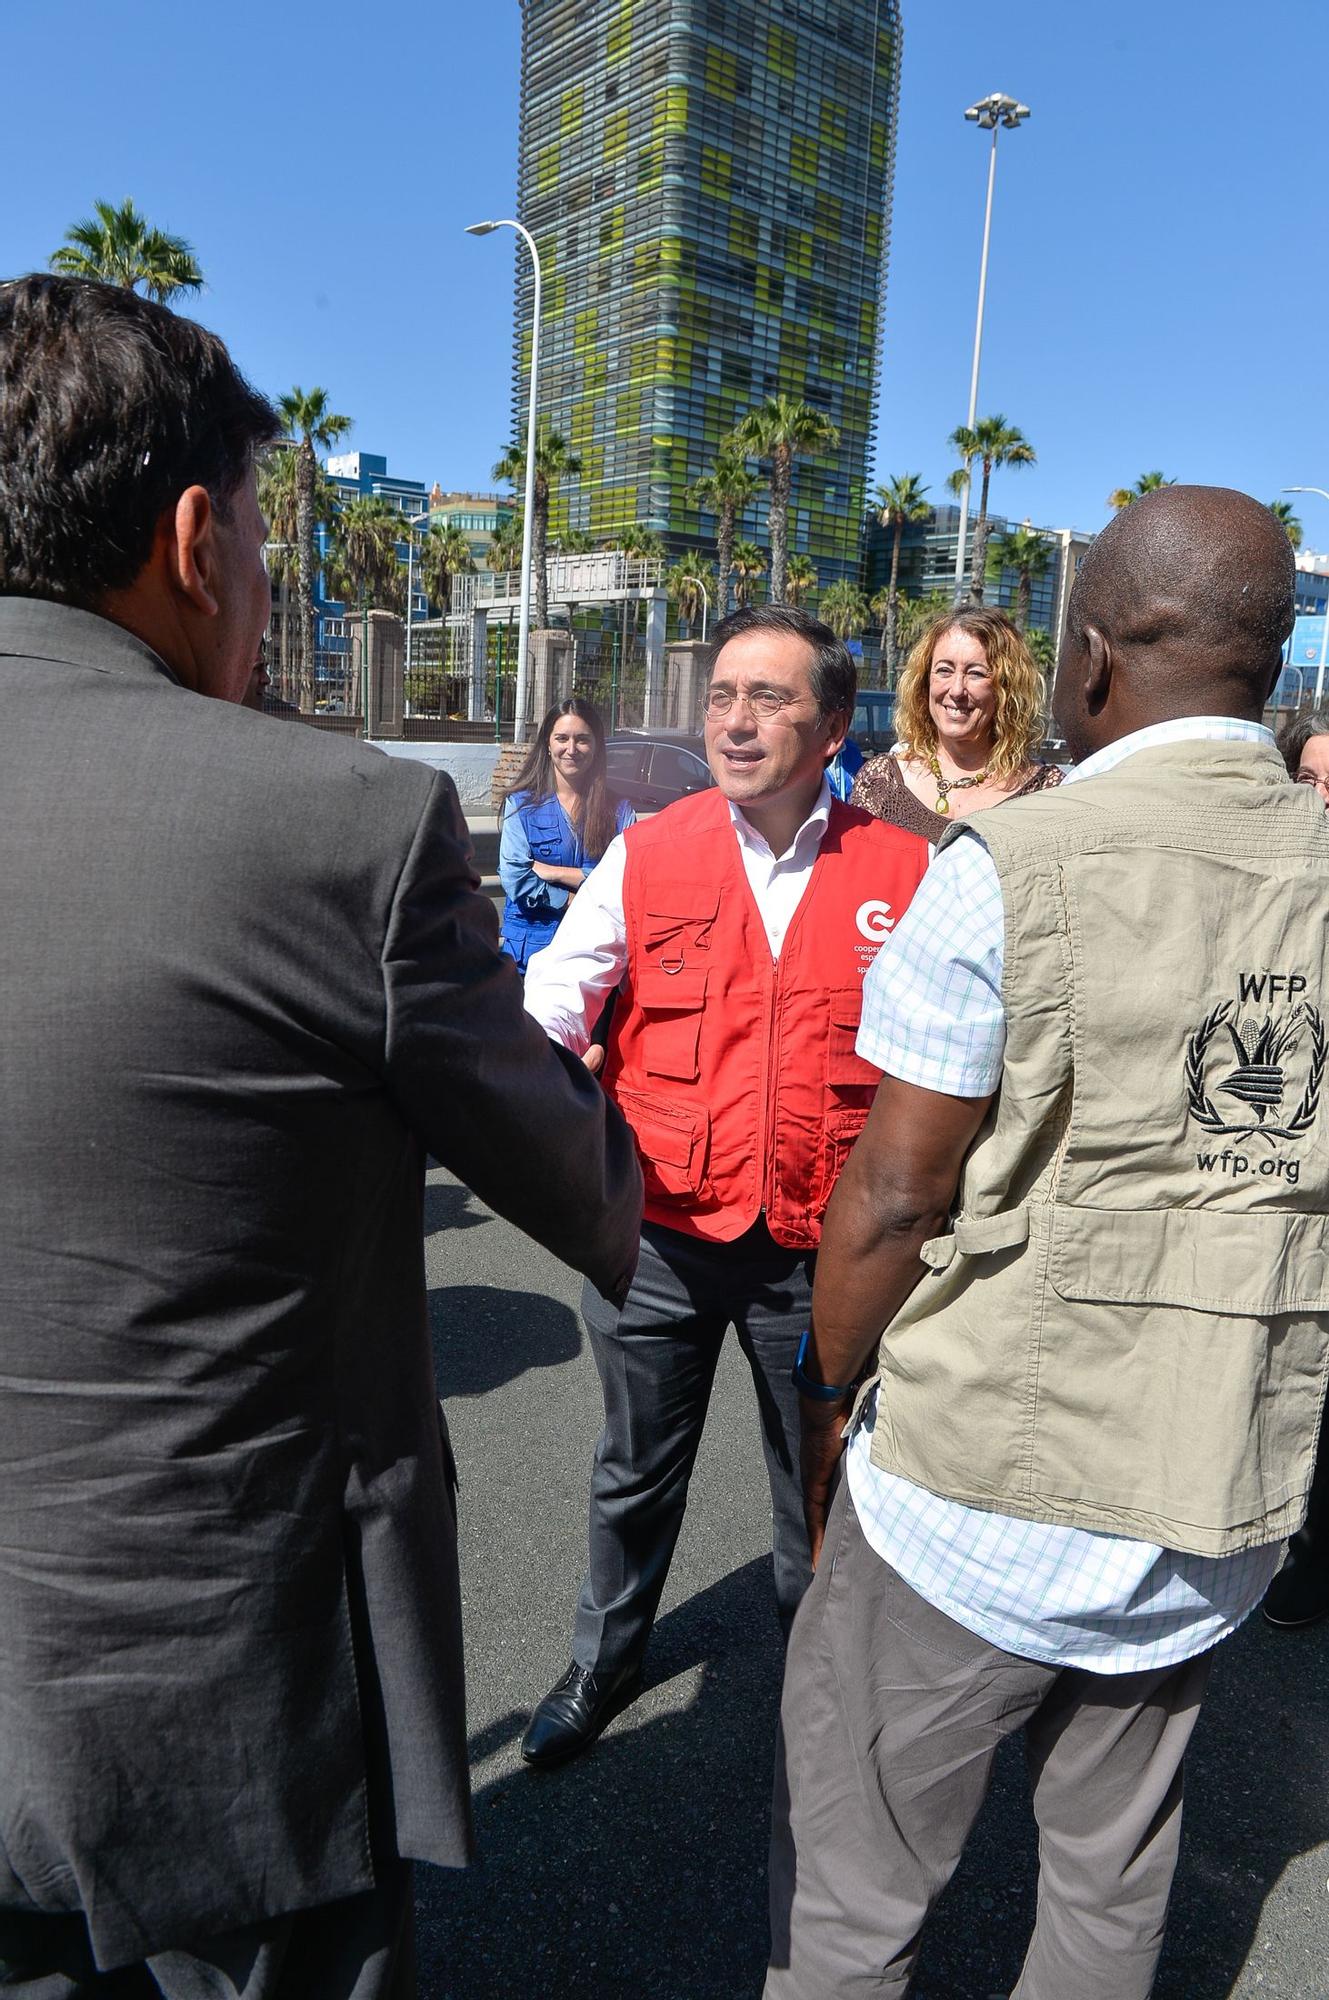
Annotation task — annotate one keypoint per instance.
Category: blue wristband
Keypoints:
(819, 1392)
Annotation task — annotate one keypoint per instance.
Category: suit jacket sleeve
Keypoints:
(496, 1102)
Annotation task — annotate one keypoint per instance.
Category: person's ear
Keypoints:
(836, 725)
(1098, 669)
(192, 553)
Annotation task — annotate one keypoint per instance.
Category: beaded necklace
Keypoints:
(947, 785)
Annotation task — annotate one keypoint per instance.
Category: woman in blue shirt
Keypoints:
(558, 818)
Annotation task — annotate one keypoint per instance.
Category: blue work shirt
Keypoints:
(539, 830)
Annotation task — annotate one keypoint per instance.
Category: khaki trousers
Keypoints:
(890, 1721)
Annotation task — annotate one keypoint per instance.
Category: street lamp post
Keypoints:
(1290, 668)
(413, 521)
(705, 607)
(520, 720)
(1324, 629)
(989, 114)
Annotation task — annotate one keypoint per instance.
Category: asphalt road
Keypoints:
(640, 1870)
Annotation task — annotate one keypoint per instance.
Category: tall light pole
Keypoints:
(705, 606)
(412, 521)
(520, 720)
(989, 114)
(1324, 629)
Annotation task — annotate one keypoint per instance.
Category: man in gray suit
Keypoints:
(246, 981)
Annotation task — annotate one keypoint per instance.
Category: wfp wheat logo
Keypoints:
(874, 921)
(1273, 1072)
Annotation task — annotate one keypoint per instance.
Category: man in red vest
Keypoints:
(739, 924)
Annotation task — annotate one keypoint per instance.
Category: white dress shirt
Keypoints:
(933, 1016)
(568, 982)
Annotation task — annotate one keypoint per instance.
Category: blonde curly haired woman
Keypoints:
(968, 718)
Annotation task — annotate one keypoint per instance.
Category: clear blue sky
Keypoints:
(1160, 267)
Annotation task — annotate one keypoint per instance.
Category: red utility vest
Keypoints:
(736, 1072)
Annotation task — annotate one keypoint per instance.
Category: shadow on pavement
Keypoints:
(484, 1336)
(1257, 1795)
(641, 1869)
(448, 1206)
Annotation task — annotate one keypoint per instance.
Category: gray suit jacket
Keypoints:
(245, 981)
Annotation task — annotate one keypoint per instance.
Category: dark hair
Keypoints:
(834, 675)
(110, 407)
(1298, 733)
(596, 817)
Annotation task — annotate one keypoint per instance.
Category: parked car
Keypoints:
(652, 769)
(873, 726)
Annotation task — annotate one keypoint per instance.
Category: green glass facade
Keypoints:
(708, 182)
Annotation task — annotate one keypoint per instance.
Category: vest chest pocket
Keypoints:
(671, 1005)
(673, 1141)
(842, 1132)
(848, 1075)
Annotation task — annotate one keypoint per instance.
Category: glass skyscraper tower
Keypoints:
(709, 185)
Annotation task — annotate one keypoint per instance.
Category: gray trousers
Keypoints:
(359, 1949)
(657, 1361)
(890, 1721)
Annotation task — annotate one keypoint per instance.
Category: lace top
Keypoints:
(881, 790)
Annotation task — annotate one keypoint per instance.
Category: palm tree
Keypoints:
(748, 563)
(690, 576)
(555, 461)
(278, 497)
(778, 430)
(725, 491)
(1043, 647)
(639, 544)
(572, 542)
(915, 614)
(1026, 552)
(362, 564)
(505, 546)
(1148, 482)
(889, 604)
(1282, 511)
(309, 420)
(844, 608)
(900, 502)
(799, 578)
(993, 442)
(119, 246)
(444, 553)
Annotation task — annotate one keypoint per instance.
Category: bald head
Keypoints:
(1180, 608)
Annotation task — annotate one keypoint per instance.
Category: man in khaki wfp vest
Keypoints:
(1089, 1208)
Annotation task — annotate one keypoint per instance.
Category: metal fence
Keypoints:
(609, 669)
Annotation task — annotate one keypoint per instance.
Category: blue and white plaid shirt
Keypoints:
(933, 1016)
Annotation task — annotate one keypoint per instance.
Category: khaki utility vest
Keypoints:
(1128, 1327)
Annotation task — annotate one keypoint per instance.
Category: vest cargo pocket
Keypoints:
(846, 1072)
(673, 1141)
(671, 1006)
(842, 1130)
(1254, 1265)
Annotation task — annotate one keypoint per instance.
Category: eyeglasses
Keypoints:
(763, 703)
(1321, 784)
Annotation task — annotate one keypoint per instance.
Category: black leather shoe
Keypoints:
(1299, 1594)
(574, 1712)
